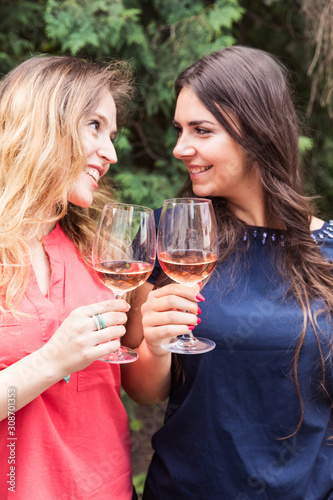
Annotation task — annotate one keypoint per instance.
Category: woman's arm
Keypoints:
(74, 346)
(155, 316)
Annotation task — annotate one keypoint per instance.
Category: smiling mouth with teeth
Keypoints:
(198, 170)
(93, 173)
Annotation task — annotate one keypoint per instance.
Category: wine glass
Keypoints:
(123, 254)
(187, 249)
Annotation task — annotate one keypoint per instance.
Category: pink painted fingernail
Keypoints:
(200, 297)
(191, 327)
(198, 321)
(199, 310)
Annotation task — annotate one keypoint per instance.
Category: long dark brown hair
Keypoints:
(253, 86)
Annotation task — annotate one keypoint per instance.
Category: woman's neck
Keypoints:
(254, 213)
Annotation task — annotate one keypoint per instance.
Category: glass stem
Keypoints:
(188, 337)
(118, 295)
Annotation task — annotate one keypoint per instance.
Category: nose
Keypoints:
(107, 151)
(183, 148)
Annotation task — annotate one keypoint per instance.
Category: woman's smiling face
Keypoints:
(216, 163)
(98, 132)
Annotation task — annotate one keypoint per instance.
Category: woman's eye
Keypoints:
(202, 131)
(95, 124)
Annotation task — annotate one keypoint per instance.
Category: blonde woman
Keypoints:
(63, 431)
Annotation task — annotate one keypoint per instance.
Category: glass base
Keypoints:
(194, 345)
(121, 356)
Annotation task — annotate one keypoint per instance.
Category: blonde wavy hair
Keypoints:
(43, 105)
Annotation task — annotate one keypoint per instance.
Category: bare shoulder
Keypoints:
(316, 223)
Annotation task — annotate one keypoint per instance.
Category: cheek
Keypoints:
(235, 169)
(88, 144)
(76, 188)
(72, 195)
(233, 165)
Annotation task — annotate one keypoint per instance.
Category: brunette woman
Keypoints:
(251, 418)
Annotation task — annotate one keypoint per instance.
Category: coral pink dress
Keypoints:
(72, 441)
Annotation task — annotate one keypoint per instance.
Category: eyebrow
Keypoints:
(195, 123)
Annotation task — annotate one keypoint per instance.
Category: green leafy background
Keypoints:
(160, 38)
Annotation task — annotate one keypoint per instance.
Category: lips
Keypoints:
(199, 169)
(94, 173)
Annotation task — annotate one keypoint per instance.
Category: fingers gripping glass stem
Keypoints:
(188, 344)
(123, 354)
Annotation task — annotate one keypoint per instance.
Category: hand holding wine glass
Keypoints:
(123, 255)
(187, 249)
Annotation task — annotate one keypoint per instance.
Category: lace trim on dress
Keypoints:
(278, 237)
(264, 235)
(326, 232)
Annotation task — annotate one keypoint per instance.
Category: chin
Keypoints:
(200, 192)
(79, 202)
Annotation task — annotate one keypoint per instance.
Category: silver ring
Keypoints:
(98, 324)
(101, 321)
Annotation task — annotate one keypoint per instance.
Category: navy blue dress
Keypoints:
(224, 435)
